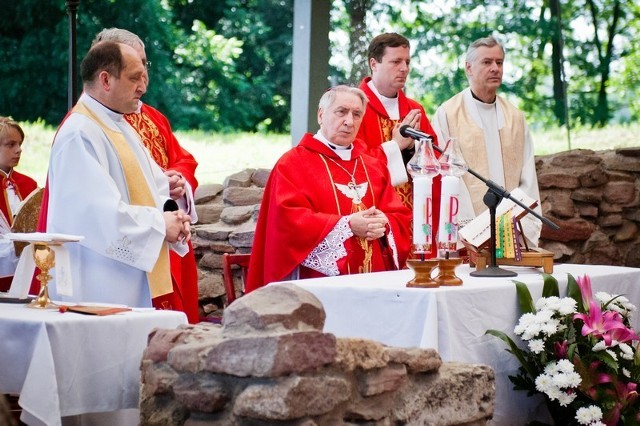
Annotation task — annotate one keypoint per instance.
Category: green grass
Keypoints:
(220, 155)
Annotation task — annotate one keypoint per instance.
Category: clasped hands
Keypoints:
(369, 224)
(178, 226)
(412, 120)
(176, 184)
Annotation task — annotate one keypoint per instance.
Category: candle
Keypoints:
(422, 214)
(449, 206)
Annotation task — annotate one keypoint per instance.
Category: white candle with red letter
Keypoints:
(422, 214)
(449, 206)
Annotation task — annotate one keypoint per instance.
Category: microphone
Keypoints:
(409, 132)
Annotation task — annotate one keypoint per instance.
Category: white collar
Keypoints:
(343, 152)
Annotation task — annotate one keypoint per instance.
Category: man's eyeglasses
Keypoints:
(147, 65)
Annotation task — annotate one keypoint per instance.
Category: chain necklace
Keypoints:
(352, 183)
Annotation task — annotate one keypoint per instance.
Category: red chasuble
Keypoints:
(23, 185)
(377, 127)
(305, 197)
(155, 131)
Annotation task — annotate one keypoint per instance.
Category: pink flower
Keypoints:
(608, 326)
(561, 349)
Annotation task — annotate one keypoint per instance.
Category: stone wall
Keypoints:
(270, 363)
(593, 196)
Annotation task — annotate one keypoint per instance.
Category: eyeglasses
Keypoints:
(147, 65)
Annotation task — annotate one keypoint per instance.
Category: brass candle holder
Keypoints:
(422, 269)
(44, 258)
(447, 275)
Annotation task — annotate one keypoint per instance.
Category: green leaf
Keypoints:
(573, 291)
(524, 297)
(550, 287)
(515, 350)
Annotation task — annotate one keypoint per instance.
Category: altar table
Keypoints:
(65, 364)
(453, 320)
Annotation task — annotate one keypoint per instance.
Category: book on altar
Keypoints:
(477, 232)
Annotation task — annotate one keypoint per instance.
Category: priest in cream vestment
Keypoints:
(103, 185)
(492, 133)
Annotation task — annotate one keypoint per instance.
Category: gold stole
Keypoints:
(139, 195)
(471, 139)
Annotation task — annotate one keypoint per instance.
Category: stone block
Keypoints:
(593, 177)
(240, 179)
(207, 193)
(260, 177)
(209, 213)
(271, 356)
(587, 195)
(215, 232)
(236, 196)
(292, 398)
(362, 354)
(274, 309)
(570, 230)
(619, 192)
(236, 215)
(557, 179)
(374, 382)
(417, 360)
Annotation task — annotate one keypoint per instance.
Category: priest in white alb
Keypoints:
(104, 186)
(492, 134)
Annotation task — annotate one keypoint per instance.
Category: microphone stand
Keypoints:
(495, 194)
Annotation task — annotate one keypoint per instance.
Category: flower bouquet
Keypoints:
(582, 353)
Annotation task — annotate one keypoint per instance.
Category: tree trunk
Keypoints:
(557, 61)
(358, 43)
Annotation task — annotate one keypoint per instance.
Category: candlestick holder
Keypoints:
(422, 269)
(447, 275)
(44, 258)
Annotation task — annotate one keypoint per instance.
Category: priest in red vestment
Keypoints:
(329, 208)
(15, 188)
(389, 109)
(180, 166)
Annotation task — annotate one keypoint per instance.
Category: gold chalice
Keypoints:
(45, 259)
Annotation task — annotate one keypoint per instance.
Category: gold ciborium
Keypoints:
(45, 259)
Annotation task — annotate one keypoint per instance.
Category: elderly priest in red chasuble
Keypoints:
(328, 207)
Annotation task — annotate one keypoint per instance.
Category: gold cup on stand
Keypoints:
(45, 259)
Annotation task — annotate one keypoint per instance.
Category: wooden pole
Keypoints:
(72, 94)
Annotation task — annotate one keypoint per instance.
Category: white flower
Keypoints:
(554, 393)
(565, 366)
(613, 354)
(560, 380)
(550, 327)
(626, 372)
(566, 398)
(543, 383)
(599, 346)
(588, 415)
(536, 346)
(567, 306)
(574, 380)
(626, 351)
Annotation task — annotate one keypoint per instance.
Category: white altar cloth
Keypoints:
(453, 320)
(64, 364)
